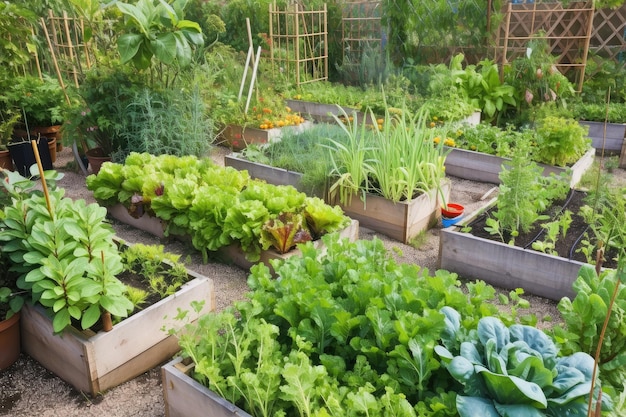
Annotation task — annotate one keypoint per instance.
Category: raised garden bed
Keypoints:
(478, 166)
(230, 253)
(400, 221)
(238, 137)
(185, 397)
(321, 112)
(477, 255)
(94, 362)
(272, 175)
(614, 139)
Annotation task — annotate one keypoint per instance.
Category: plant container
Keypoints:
(94, 362)
(481, 167)
(9, 341)
(506, 266)
(612, 142)
(231, 253)
(24, 157)
(239, 137)
(452, 210)
(321, 112)
(5, 160)
(401, 221)
(96, 158)
(185, 397)
(268, 173)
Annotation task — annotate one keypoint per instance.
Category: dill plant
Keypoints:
(524, 194)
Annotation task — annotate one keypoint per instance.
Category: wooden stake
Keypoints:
(42, 177)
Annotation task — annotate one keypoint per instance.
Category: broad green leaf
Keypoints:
(508, 389)
(128, 45)
(475, 406)
(61, 320)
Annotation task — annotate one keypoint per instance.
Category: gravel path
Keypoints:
(27, 389)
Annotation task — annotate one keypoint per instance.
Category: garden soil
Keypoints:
(27, 389)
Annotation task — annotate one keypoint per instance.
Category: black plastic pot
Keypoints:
(24, 157)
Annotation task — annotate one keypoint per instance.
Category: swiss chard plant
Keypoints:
(347, 332)
(514, 371)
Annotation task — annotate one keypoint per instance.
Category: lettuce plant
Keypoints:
(513, 371)
(214, 205)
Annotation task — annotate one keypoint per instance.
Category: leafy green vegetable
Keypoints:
(350, 331)
(215, 206)
(515, 371)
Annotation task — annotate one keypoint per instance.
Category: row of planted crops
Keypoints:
(333, 325)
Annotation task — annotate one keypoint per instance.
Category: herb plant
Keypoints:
(524, 194)
(560, 141)
(584, 316)
(66, 257)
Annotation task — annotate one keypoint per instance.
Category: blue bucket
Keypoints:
(446, 222)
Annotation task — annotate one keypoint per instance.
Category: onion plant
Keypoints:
(406, 159)
(397, 159)
(350, 160)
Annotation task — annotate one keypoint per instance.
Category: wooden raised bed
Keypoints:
(186, 397)
(506, 266)
(323, 112)
(400, 221)
(94, 362)
(268, 173)
(477, 166)
(231, 253)
(238, 137)
(615, 133)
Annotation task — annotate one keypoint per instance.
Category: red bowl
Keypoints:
(452, 210)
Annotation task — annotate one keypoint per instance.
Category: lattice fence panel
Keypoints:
(299, 43)
(361, 29)
(567, 31)
(608, 38)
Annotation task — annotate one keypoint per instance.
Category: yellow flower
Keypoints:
(436, 139)
(432, 124)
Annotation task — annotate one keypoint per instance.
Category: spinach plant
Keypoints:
(513, 371)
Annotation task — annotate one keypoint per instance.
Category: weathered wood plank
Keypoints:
(185, 397)
(507, 266)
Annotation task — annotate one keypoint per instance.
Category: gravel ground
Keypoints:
(27, 389)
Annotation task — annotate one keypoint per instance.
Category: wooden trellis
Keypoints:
(69, 52)
(566, 30)
(608, 38)
(360, 29)
(299, 43)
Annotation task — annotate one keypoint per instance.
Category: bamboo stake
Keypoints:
(70, 48)
(33, 143)
(107, 322)
(254, 71)
(248, 58)
(54, 61)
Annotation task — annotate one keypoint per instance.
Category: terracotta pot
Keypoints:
(5, 160)
(452, 210)
(9, 341)
(96, 158)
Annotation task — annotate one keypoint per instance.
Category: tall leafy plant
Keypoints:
(66, 257)
(157, 29)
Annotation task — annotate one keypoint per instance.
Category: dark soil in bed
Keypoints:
(567, 246)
